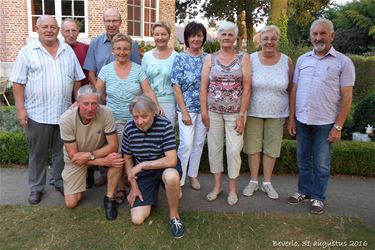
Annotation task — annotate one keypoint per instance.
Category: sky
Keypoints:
(203, 20)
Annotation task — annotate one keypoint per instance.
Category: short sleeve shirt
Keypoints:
(120, 92)
(158, 73)
(48, 80)
(150, 145)
(100, 53)
(319, 81)
(88, 137)
(186, 73)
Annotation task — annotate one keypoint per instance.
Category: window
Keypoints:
(142, 14)
(61, 9)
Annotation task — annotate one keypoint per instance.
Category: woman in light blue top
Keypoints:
(119, 82)
(157, 63)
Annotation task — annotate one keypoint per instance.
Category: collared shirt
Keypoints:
(100, 53)
(319, 82)
(150, 145)
(80, 49)
(48, 80)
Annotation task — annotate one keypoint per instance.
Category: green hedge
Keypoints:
(365, 76)
(354, 158)
(13, 148)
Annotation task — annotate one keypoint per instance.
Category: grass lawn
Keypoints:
(37, 227)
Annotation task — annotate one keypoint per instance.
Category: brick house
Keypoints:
(18, 18)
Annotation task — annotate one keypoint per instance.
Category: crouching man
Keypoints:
(149, 149)
(89, 135)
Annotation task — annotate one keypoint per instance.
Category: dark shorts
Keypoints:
(149, 186)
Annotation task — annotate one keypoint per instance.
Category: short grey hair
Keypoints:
(323, 21)
(69, 20)
(143, 103)
(224, 26)
(272, 28)
(42, 18)
(87, 90)
(114, 11)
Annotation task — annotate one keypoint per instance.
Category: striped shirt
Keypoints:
(319, 82)
(150, 145)
(120, 92)
(48, 81)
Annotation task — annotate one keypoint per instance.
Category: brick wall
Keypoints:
(13, 28)
(14, 22)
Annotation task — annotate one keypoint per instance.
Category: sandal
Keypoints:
(211, 196)
(120, 196)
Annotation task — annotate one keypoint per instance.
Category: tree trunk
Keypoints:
(278, 9)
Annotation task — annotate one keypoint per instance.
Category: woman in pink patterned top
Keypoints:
(224, 95)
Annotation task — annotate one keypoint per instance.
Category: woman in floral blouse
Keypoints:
(186, 79)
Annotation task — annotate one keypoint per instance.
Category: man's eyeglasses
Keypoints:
(112, 21)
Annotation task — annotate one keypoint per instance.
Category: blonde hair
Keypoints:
(162, 24)
(272, 28)
(121, 37)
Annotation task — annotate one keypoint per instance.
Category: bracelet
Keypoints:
(243, 115)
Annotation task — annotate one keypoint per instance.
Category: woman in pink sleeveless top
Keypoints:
(224, 95)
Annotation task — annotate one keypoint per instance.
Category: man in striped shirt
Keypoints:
(43, 78)
(320, 101)
(149, 149)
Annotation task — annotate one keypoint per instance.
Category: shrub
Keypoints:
(364, 113)
(8, 119)
(211, 46)
(365, 76)
(354, 158)
(13, 148)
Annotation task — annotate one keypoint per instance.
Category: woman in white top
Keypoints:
(157, 63)
(269, 106)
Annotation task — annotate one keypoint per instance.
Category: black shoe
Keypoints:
(110, 208)
(35, 197)
(60, 189)
(90, 181)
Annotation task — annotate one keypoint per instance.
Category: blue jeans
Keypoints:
(313, 159)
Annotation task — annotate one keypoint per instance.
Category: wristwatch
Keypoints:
(337, 127)
(92, 156)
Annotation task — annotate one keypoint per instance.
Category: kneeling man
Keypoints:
(89, 135)
(149, 149)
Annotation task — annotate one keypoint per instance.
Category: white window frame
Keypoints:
(58, 16)
(142, 37)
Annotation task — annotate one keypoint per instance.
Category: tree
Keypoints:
(301, 13)
(252, 12)
(354, 21)
(279, 18)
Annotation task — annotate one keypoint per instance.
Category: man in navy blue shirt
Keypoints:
(149, 149)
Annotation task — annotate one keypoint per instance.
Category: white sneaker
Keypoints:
(250, 188)
(271, 192)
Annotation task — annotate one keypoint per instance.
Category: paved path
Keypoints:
(346, 196)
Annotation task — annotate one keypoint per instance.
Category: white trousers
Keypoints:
(191, 145)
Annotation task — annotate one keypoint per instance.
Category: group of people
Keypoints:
(125, 112)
